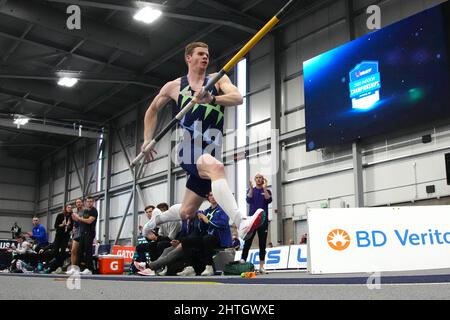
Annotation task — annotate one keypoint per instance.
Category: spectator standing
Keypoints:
(63, 227)
(15, 231)
(258, 197)
(87, 225)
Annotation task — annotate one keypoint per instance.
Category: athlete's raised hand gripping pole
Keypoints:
(212, 81)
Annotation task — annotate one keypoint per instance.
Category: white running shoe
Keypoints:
(86, 272)
(72, 270)
(187, 272)
(58, 271)
(147, 272)
(163, 272)
(209, 271)
(251, 224)
(153, 222)
(262, 271)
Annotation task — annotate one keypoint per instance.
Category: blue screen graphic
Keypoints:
(391, 79)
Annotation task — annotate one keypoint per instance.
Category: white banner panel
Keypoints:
(276, 258)
(378, 239)
(298, 257)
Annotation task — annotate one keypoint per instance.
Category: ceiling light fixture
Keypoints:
(20, 121)
(147, 15)
(67, 82)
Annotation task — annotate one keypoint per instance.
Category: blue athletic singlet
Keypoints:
(203, 133)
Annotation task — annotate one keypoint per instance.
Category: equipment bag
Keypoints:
(236, 268)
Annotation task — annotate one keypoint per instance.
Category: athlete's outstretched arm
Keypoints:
(151, 115)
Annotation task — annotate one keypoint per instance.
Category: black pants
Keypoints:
(85, 250)
(153, 248)
(60, 245)
(262, 236)
(206, 245)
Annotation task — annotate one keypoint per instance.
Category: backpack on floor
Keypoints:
(236, 268)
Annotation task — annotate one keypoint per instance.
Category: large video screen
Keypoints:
(394, 78)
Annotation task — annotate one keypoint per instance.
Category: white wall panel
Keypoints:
(259, 73)
(10, 175)
(260, 132)
(12, 205)
(75, 194)
(259, 106)
(118, 205)
(58, 185)
(260, 50)
(180, 187)
(294, 93)
(261, 164)
(319, 188)
(73, 180)
(43, 205)
(156, 166)
(121, 178)
(230, 114)
(154, 195)
(16, 192)
(127, 230)
(294, 121)
(7, 222)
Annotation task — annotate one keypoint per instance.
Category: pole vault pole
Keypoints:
(212, 81)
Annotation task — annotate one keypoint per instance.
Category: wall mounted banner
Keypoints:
(378, 239)
(7, 243)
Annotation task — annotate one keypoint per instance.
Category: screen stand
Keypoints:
(358, 175)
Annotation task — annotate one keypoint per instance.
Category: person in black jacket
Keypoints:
(63, 227)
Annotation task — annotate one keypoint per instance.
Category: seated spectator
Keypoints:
(218, 235)
(270, 245)
(157, 240)
(39, 234)
(148, 212)
(172, 259)
(291, 242)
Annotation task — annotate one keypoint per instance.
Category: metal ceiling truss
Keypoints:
(231, 20)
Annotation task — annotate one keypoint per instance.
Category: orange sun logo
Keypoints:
(338, 239)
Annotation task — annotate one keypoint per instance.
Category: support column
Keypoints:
(358, 175)
(349, 19)
(107, 170)
(275, 153)
(135, 177)
(50, 193)
(86, 167)
(66, 177)
(170, 176)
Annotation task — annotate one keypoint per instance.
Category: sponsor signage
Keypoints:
(298, 257)
(378, 239)
(283, 257)
(126, 252)
(7, 243)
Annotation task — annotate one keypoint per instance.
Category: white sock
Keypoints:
(173, 214)
(226, 201)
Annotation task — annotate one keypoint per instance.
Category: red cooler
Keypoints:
(111, 264)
